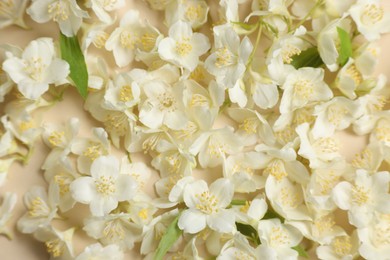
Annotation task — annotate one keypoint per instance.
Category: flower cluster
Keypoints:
(221, 131)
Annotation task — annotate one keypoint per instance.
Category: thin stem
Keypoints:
(309, 14)
(250, 59)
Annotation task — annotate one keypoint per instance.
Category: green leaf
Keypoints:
(272, 214)
(246, 26)
(71, 52)
(307, 58)
(345, 46)
(301, 252)
(172, 233)
(248, 231)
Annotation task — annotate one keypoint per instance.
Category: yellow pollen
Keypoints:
(372, 14)
(126, 94)
(55, 247)
(276, 169)
(381, 236)
(117, 123)
(245, 208)
(174, 162)
(354, 74)
(359, 195)
(327, 182)
(289, 51)
(194, 12)
(324, 224)
(93, 151)
(198, 100)
(290, 197)
(148, 41)
(286, 135)
(105, 185)
(278, 237)
(224, 57)
(239, 168)
(167, 102)
(363, 159)
(59, 10)
(35, 68)
(6, 8)
(113, 231)
(127, 40)
(378, 103)
(326, 145)
(303, 89)
(207, 203)
(241, 255)
(335, 114)
(303, 116)
(56, 138)
(100, 40)
(188, 132)
(382, 131)
(38, 208)
(143, 214)
(151, 142)
(63, 182)
(249, 125)
(26, 125)
(215, 150)
(171, 181)
(183, 47)
(342, 245)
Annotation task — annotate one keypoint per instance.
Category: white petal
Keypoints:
(192, 221)
(223, 221)
(83, 189)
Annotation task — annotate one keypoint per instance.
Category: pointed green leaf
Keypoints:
(345, 46)
(307, 58)
(301, 252)
(171, 235)
(71, 52)
(248, 231)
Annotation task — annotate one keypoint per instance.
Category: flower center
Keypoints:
(113, 231)
(324, 224)
(303, 89)
(148, 41)
(359, 195)
(59, 11)
(326, 145)
(56, 138)
(55, 247)
(38, 208)
(276, 169)
(143, 214)
(289, 51)
(105, 185)
(355, 74)
(174, 162)
(240, 168)
(35, 68)
(278, 237)
(207, 203)
(126, 94)
(335, 114)
(198, 100)
(249, 125)
(382, 131)
(93, 151)
(342, 245)
(127, 40)
(183, 47)
(224, 57)
(187, 132)
(372, 14)
(167, 102)
(290, 197)
(6, 7)
(117, 123)
(151, 142)
(327, 181)
(26, 125)
(377, 103)
(100, 39)
(194, 12)
(63, 181)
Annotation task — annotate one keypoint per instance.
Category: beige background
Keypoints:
(21, 178)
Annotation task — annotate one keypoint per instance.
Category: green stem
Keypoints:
(238, 202)
(250, 59)
(309, 14)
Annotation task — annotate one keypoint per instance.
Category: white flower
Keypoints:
(6, 208)
(242, 170)
(58, 243)
(102, 7)
(67, 13)
(228, 61)
(60, 137)
(5, 165)
(12, 12)
(93, 34)
(334, 115)
(114, 229)
(317, 150)
(42, 208)
(328, 40)
(371, 19)
(238, 247)
(212, 145)
(207, 207)
(130, 36)
(183, 47)
(193, 12)
(37, 68)
(88, 149)
(252, 211)
(277, 239)
(264, 91)
(96, 251)
(375, 238)
(368, 194)
(304, 87)
(343, 247)
(105, 187)
(163, 105)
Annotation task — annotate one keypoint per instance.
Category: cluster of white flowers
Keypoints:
(255, 93)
